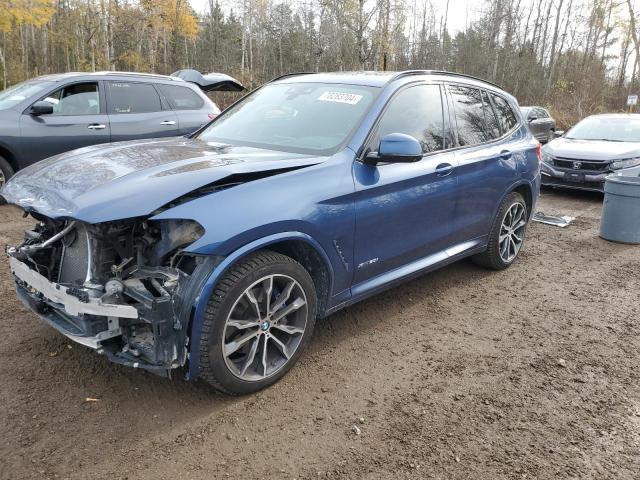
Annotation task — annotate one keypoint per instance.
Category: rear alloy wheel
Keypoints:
(507, 235)
(258, 320)
(512, 232)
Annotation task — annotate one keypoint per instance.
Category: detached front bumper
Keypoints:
(574, 179)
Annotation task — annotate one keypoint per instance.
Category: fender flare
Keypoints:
(202, 299)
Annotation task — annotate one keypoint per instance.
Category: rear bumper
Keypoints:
(552, 177)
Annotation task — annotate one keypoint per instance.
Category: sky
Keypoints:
(458, 16)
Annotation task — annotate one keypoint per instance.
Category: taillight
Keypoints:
(212, 116)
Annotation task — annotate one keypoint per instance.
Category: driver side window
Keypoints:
(415, 111)
(77, 99)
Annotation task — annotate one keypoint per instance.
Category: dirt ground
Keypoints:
(461, 374)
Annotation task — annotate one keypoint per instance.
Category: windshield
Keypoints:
(311, 118)
(612, 129)
(16, 94)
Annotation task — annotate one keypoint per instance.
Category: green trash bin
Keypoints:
(620, 221)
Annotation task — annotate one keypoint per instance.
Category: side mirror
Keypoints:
(531, 119)
(558, 133)
(41, 108)
(396, 148)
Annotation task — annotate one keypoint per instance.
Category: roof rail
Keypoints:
(439, 72)
(135, 74)
(293, 74)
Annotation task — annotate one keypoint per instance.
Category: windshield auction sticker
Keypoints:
(339, 97)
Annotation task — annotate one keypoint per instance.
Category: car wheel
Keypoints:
(6, 172)
(507, 234)
(258, 320)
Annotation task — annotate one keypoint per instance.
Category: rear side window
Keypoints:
(131, 97)
(470, 115)
(415, 111)
(181, 98)
(490, 117)
(506, 118)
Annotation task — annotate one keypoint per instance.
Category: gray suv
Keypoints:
(52, 114)
(540, 122)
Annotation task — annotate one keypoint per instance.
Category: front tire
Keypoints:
(6, 172)
(259, 318)
(507, 234)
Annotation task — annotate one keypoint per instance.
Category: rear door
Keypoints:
(192, 109)
(78, 120)
(404, 210)
(136, 111)
(487, 157)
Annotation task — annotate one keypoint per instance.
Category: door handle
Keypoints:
(444, 169)
(505, 154)
(96, 126)
(168, 122)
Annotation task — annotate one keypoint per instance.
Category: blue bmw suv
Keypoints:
(217, 253)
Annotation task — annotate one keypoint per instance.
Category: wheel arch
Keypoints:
(525, 190)
(299, 246)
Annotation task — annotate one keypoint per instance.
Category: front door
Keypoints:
(78, 120)
(403, 211)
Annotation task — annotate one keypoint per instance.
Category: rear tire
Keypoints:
(259, 318)
(507, 234)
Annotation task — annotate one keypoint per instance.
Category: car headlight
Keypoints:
(627, 163)
(546, 158)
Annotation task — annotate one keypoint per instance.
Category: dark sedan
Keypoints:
(540, 122)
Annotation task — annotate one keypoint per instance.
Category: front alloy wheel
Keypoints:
(258, 320)
(265, 327)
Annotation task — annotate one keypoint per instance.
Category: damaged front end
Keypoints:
(124, 288)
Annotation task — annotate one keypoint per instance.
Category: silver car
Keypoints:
(591, 150)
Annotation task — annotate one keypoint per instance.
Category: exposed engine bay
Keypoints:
(124, 288)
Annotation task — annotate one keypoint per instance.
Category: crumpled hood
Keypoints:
(592, 149)
(130, 179)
